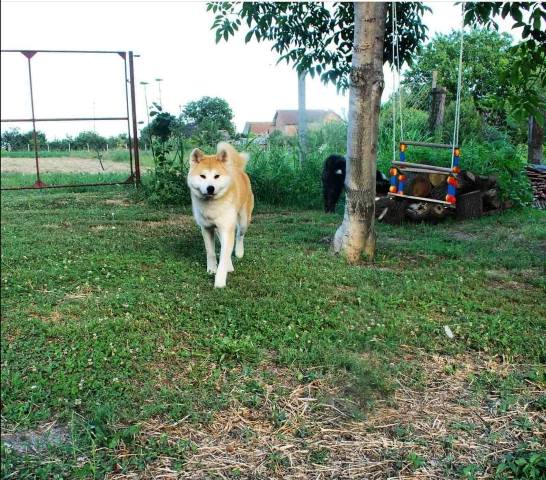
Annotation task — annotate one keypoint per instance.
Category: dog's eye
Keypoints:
(216, 176)
(202, 176)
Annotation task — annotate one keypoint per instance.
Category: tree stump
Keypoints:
(469, 205)
(396, 212)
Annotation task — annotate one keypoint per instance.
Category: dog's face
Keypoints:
(209, 176)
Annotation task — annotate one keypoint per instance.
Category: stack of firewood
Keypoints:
(537, 177)
(483, 190)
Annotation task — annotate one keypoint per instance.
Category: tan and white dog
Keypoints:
(222, 201)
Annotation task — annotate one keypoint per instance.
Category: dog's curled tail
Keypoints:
(238, 159)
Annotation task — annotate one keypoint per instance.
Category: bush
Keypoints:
(278, 180)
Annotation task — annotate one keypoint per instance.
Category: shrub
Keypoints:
(279, 180)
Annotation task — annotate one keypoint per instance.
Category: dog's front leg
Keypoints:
(208, 237)
(227, 239)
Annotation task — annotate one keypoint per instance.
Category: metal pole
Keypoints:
(159, 80)
(38, 183)
(127, 106)
(134, 118)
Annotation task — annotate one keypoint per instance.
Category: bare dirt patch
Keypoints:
(62, 165)
(432, 431)
(118, 202)
(38, 440)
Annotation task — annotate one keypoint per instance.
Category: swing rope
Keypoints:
(393, 85)
(458, 99)
(395, 20)
(397, 89)
(398, 178)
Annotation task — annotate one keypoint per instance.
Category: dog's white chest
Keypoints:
(211, 213)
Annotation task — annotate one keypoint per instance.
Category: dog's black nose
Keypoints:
(210, 189)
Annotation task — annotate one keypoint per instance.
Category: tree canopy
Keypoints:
(485, 58)
(526, 72)
(206, 110)
(316, 37)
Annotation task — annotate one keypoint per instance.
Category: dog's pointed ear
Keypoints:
(196, 156)
(222, 155)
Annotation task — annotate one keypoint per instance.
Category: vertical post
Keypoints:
(535, 140)
(69, 146)
(452, 183)
(124, 56)
(402, 178)
(434, 78)
(437, 111)
(134, 118)
(38, 183)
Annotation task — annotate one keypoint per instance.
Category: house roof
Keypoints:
(290, 117)
(257, 127)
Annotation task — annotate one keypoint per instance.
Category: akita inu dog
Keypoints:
(222, 201)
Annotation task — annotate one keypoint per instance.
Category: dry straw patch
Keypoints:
(426, 433)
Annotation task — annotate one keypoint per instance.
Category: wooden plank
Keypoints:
(421, 199)
(421, 165)
(422, 170)
(427, 144)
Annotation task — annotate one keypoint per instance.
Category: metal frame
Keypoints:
(129, 79)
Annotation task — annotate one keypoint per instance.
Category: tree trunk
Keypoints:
(535, 141)
(302, 120)
(356, 235)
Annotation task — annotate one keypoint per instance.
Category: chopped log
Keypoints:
(439, 192)
(419, 186)
(382, 205)
(396, 212)
(438, 211)
(418, 211)
(491, 199)
(437, 179)
(537, 178)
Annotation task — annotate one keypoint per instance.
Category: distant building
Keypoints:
(286, 121)
(258, 128)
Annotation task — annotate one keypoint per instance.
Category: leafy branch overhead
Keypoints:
(316, 37)
(526, 73)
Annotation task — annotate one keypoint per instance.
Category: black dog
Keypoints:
(333, 180)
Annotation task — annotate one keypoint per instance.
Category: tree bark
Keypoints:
(356, 235)
(535, 141)
(302, 120)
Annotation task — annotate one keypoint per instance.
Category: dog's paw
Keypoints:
(239, 251)
(219, 284)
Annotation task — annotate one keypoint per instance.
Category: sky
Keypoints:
(174, 42)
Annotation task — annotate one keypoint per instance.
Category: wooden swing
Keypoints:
(401, 167)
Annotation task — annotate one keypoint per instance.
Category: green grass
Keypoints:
(109, 317)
